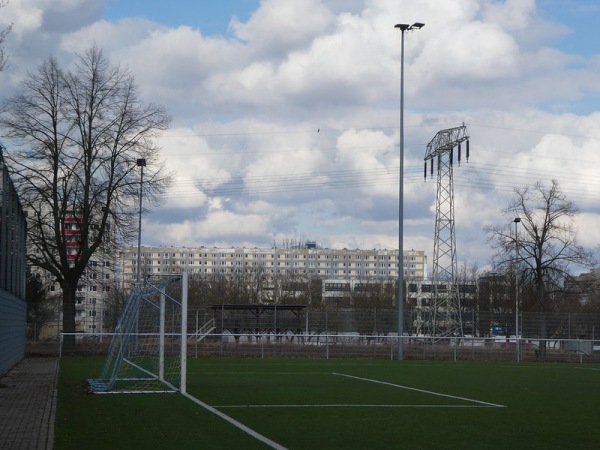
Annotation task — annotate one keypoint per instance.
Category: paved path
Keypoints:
(28, 405)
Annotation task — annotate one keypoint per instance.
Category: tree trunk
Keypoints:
(69, 289)
(544, 333)
(543, 325)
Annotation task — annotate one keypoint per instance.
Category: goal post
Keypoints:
(148, 352)
(184, 314)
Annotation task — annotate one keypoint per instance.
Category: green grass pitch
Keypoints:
(339, 404)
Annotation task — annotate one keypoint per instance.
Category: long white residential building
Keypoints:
(325, 263)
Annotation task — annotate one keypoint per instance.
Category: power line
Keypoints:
(482, 176)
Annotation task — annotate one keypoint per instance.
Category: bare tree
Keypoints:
(466, 279)
(3, 34)
(78, 135)
(546, 241)
(114, 303)
(249, 282)
(40, 309)
(371, 300)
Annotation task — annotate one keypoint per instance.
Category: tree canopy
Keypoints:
(74, 138)
(544, 249)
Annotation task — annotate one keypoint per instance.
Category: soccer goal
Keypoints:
(148, 350)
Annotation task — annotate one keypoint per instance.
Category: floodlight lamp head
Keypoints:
(416, 26)
(141, 162)
(402, 26)
(517, 220)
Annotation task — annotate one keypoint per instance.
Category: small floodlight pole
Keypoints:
(516, 221)
(403, 28)
(141, 163)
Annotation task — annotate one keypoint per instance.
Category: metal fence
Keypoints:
(295, 330)
(329, 346)
(386, 347)
(373, 321)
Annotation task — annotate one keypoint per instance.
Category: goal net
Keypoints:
(148, 350)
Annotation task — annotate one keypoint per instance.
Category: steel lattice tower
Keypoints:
(446, 320)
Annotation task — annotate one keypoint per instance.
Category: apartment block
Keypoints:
(343, 265)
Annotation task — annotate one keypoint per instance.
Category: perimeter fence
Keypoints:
(250, 319)
(329, 346)
(261, 331)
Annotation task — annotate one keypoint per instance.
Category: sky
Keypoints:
(286, 112)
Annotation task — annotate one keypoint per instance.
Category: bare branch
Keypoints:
(79, 134)
(544, 247)
(3, 34)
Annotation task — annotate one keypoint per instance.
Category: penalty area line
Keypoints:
(439, 394)
(236, 424)
(349, 405)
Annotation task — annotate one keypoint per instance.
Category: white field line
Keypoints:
(237, 424)
(134, 392)
(494, 405)
(566, 367)
(262, 373)
(347, 406)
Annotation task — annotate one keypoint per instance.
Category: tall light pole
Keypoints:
(141, 163)
(516, 221)
(403, 28)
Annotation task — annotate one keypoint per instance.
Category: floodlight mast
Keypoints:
(517, 220)
(403, 28)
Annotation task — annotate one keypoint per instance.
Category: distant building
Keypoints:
(584, 289)
(98, 279)
(341, 270)
(420, 296)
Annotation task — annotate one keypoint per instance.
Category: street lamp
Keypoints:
(403, 28)
(141, 163)
(516, 221)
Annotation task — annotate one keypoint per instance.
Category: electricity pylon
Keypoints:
(446, 306)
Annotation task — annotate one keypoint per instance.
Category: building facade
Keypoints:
(13, 307)
(346, 277)
(341, 270)
(96, 282)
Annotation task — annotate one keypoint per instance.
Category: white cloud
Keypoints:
(373, 153)
(49, 16)
(25, 18)
(280, 25)
(511, 15)
(476, 50)
(220, 226)
(251, 166)
(588, 230)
